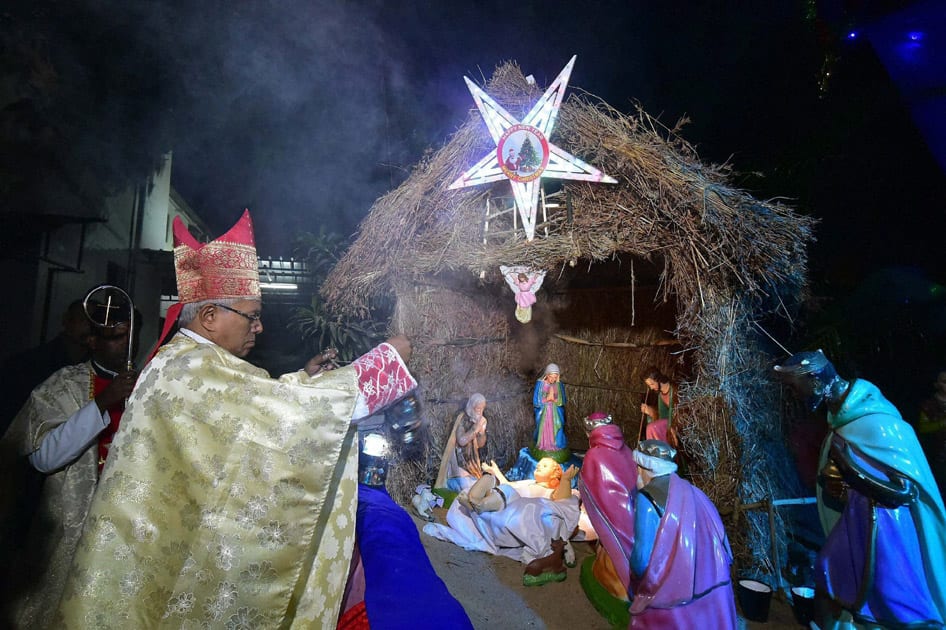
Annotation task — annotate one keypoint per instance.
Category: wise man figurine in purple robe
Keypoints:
(680, 558)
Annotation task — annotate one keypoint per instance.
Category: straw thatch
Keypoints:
(690, 249)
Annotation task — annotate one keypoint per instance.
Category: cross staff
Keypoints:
(129, 365)
(108, 309)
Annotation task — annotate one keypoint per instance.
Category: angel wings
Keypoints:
(524, 282)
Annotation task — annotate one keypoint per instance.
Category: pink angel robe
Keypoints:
(524, 290)
(525, 298)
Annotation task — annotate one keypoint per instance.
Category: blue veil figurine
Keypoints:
(549, 402)
(882, 561)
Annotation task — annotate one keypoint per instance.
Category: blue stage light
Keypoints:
(852, 35)
(915, 36)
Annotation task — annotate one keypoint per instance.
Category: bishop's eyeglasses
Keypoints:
(253, 317)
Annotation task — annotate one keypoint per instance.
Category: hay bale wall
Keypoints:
(461, 346)
(466, 340)
(740, 448)
(605, 339)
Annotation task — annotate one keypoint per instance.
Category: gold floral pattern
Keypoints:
(229, 505)
(66, 493)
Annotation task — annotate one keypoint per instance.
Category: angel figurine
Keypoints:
(524, 282)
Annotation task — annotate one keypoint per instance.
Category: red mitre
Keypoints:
(224, 268)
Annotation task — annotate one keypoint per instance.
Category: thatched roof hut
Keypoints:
(672, 266)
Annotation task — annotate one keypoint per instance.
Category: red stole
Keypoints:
(99, 383)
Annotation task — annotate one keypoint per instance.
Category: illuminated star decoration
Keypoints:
(523, 153)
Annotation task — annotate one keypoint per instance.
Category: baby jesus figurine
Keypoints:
(524, 282)
(528, 522)
(486, 496)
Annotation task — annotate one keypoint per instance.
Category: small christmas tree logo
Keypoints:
(528, 157)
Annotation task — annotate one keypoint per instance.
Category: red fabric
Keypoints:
(115, 417)
(382, 377)
(224, 268)
(174, 311)
(355, 618)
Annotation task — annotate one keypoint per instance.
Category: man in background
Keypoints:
(64, 430)
(22, 372)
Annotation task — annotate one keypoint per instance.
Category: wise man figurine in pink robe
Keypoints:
(607, 484)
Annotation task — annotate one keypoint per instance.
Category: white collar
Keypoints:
(98, 367)
(187, 332)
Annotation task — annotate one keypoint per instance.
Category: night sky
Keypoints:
(307, 111)
(307, 115)
(318, 112)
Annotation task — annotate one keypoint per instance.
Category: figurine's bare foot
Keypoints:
(481, 488)
(492, 502)
(464, 499)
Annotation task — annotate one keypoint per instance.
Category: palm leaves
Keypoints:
(318, 327)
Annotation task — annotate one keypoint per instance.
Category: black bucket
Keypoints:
(803, 604)
(754, 599)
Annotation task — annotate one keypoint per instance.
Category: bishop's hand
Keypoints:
(321, 362)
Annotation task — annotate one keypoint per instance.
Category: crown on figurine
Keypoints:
(596, 419)
(655, 456)
(224, 268)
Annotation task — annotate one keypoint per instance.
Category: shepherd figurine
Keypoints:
(524, 282)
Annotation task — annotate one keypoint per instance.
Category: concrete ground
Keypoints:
(491, 591)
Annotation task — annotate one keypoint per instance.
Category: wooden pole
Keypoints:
(485, 233)
(616, 344)
(777, 564)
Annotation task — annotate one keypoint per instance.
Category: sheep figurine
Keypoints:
(424, 501)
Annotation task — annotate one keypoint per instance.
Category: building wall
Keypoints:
(130, 248)
(55, 266)
(158, 212)
(18, 332)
